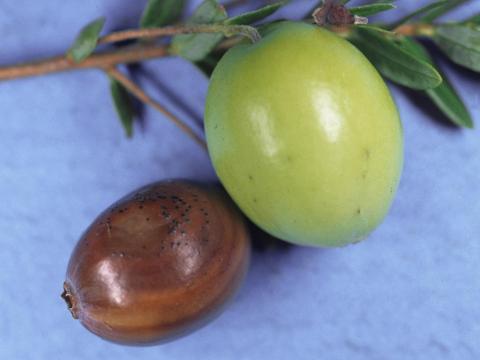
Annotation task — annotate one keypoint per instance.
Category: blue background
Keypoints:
(411, 291)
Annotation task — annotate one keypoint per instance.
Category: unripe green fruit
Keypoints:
(305, 136)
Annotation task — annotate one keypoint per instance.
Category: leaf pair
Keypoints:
(393, 61)
(444, 95)
(406, 62)
(157, 13)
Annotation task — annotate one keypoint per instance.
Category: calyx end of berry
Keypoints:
(336, 14)
(69, 299)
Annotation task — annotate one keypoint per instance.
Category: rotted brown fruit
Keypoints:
(158, 264)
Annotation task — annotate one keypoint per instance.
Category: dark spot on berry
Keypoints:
(366, 153)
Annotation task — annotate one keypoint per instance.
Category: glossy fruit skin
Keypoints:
(304, 135)
(158, 264)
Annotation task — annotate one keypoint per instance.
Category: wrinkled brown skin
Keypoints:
(158, 264)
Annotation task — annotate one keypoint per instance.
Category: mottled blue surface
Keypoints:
(411, 291)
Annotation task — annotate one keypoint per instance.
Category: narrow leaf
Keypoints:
(256, 15)
(377, 29)
(422, 11)
(450, 103)
(475, 20)
(159, 13)
(393, 62)
(195, 47)
(441, 10)
(86, 41)
(461, 43)
(123, 105)
(371, 9)
(444, 96)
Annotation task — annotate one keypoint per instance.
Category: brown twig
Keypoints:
(139, 53)
(136, 91)
(126, 55)
(101, 60)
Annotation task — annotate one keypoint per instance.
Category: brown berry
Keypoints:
(157, 264)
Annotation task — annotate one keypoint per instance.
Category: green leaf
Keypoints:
(371, 9)
(450, 103)
(461, 43)
(423, 10)
(195, 47)
(123, 105)
(475, 20)
(377, 29)
(444, 96)
(86, 41)
(436, 13)
(256, 15)
(159, 13)
(393, 62)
